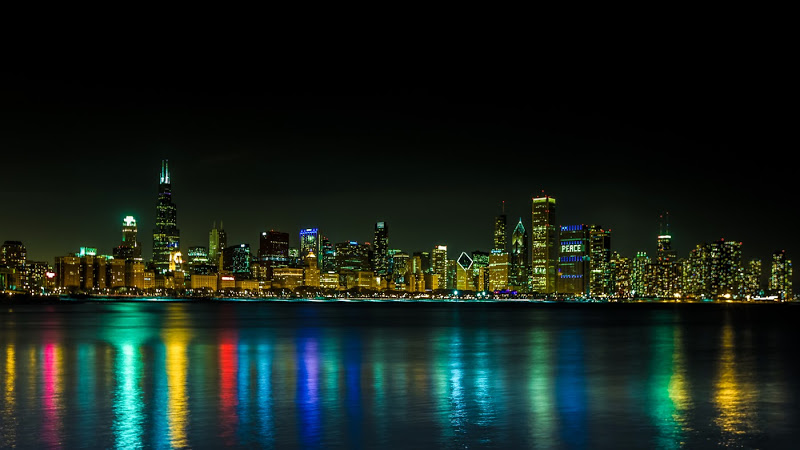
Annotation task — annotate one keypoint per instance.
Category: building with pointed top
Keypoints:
(518, 270)
(166, 235)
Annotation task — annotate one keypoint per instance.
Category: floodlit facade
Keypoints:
(544, 241)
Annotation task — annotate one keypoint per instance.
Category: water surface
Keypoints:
(398, 375)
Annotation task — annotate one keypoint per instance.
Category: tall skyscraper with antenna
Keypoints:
(499, 242)
(166, 235)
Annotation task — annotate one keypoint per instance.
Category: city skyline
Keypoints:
(259, 158)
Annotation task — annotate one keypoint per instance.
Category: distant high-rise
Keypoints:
(544, 237)
(166, 235)
(13, 255)
(217, 241)
(518, 272)
(328, 256)
(129, 248)
(499, 242)
(309, 242)
(273, 250)
(780, 277)
(236, 260)
(600, 273)
(665, 268)
(573, 260)
(439, 265)
(380, 261)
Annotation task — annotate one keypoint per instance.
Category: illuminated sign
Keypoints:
(228, 278)
(571, 248)
(129, 221)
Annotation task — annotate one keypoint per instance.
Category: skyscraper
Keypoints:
(217, 241)
(309, 242)
(380, 262)
(499, 242)
(439, 265)
(780, 277)
(273, 250)
(600, 274)
(129, 248)
(166, 236)
(573, 260)
(544, 237)
(665, 267)
(518, 275)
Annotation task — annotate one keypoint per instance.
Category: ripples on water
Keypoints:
(389, 375)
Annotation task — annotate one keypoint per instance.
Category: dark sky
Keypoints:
(433, 151)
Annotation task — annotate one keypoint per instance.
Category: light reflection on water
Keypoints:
(178, 375)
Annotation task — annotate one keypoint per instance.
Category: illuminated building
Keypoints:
(206, 282)
(166, 236)
(400, 269)
(130, 247)
(288, 278)
(311, 270)
(543, 238)
(429, 282)
(452, 268)
(518, 273)
(639, 278)
(726, 269)
(87, 271)
(620, 268)
(13, 255)
(499, 241)
(439, 266)
(115, 276)
(600, 278)
(465, 281)
(329, 280)
(246, 285)
(498, 271)
(352, 256)
(421, 262)
(199, 262)
(36, 272)
(380, 258)
(68, 272)
(780, 277)
(753, 274)
(309, 242)
(149, 280)
(225, 281)
(134, 274)
(217, 240)
(664, 268)
(573, 260)
(328, 256)
(236, 260)
(273, 250)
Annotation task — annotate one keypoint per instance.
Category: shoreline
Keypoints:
(25, 299)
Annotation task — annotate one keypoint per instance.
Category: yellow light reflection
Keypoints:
(8, 438)
(732, 397)
(678, 385)
(176, 339)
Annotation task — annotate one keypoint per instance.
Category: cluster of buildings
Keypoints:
(545, 260)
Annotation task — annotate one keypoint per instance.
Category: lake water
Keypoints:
(399, 375)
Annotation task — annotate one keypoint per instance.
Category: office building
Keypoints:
(439, 266)
(166, 235)
(380, 257)
(544, 240)
(518, 259)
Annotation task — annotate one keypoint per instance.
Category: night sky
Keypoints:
(431, 152)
